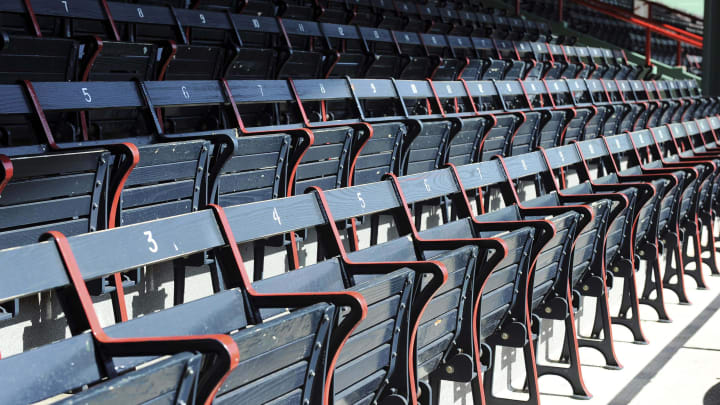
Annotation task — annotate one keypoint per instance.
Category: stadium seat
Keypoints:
(140, 340)
(548, 294)
(366, 369)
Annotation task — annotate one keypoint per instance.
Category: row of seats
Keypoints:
(671, 17)
(388, 322)
(340, 133)
(538, 60)
(449, 17)
(292, 135)
(617, 32)
(204, 45)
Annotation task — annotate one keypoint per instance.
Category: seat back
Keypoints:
(329, 161)
(500, 299)
(416, 62)
(59, 191)
(493, 67)
(258, 170)
(368, 360)
(300, 9)
(37, 59)
(559, 64)
(500, 283)
(465, 145)
(168, 180)
(459, 108)
(303, 58)
(515, 97)
(383, 152)
(580, 55)
(488, 101)
(440, 327)
(527, 52)
(108, 60)
(446, 64)
(464, 50)
(350, 57)
(667, 140)
(385, 59)
(24, 57)
(624, 92)
(555, 259)
(588, 119)
(515, 67)
(426, 150)
(553, 264)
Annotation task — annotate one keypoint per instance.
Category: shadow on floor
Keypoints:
(712, 396)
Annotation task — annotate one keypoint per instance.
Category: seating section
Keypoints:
(291, 152)
(626, 35)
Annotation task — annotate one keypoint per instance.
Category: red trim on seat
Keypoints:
(437, 99)
(220, 344)
(233, 105)
(33, 18)
(470, 97)
(86, 73)
(550, 96)
(166, 63)
(7, 166)
(527, 99)
(415, 327)
(40, 114)
(134, 155)
(109, 16)
(247, 284)
(300, 105)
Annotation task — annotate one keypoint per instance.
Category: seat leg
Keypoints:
(178, 281)
(216, 277)
(602, 326)
(531, 378)
(629, 301)
(674, 267)
(352, 236)
(293, 253)
(118, 300)
(654, 282)
(417, 212)
(478, 394)
(568, 367)
(445, 211)
(374, 229)
(707, 227)
(426, 393)
(431, 391)
(692, 233)
(258, 262)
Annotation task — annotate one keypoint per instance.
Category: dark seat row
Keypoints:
(439, 301)
(127, 42)
(124, 184)
(168, 174)
(618, 32)
(450, 17)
